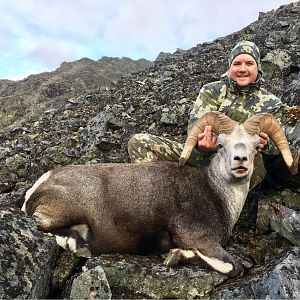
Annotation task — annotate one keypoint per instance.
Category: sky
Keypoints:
(38, 35)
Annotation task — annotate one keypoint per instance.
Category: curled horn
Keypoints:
(267, 123)
(220, 124)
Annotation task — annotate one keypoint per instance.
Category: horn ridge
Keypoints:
(220, 124)
(265, 122)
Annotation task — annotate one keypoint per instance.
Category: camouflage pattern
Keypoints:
(246, 47)
(239, 103)
(145, 147)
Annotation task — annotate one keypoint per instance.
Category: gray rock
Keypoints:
(27, 258)
(276, 62)
(286, 222)
(64, 269)
(294, 136)
(91, 284)
(265, 210)
(169, 118)
(278, 280)
(146, 277)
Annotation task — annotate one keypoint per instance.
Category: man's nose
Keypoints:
(243, 67)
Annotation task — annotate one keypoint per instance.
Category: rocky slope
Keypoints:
(94, 125)
(71, 79)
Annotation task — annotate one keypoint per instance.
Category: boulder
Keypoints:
(27, 258)
(278, 280)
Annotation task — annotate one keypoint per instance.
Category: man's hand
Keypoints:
(264, 139)
(207, 141)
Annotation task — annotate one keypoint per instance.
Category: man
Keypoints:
(238, 94)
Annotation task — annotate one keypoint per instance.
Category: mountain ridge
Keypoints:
(70, 79)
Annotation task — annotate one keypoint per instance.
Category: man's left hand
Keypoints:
(264, 139)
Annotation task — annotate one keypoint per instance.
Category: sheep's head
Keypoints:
(238, 150)
(262, 122)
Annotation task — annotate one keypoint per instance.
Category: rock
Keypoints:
(91, 284)
(169, 118)
(64, 269)
(294, 137)
(286, 222)
(27, 258)
(146, 277)
(114, 123)
(276, 62)
(278, 280)
(279, 175)
(7, 187)
(107, 144)
(265, 210)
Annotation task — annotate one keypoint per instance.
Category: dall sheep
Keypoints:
(159, 206)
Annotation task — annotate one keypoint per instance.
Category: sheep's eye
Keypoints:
(220, 146)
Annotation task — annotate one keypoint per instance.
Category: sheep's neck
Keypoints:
(233, 192)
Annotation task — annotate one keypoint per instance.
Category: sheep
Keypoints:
(156, 207)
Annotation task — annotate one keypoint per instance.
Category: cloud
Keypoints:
(42, 34)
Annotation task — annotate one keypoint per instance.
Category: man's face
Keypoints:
(243, 69)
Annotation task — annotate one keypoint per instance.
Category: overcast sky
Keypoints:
(38, 35)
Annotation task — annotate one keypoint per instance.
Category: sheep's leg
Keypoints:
(74, 239)
(200, 249)
(218, 259)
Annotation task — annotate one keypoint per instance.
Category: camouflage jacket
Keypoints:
(238, 103)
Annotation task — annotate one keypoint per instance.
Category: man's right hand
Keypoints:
(207, 141)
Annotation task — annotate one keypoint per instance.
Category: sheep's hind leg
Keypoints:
(74, 239)
(218, 259)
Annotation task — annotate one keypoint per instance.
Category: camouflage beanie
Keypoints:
(246, 47)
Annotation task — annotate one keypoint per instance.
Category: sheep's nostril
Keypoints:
(240, 158)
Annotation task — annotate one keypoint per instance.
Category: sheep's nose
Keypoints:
(240, 153)
(240, 158)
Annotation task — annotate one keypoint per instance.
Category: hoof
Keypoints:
(176, 256)
(172, 259)
(238, 269)
(77, 248)
(83, 251)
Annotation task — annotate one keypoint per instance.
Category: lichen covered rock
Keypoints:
(27, 258)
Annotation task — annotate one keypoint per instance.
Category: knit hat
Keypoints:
(246, 47)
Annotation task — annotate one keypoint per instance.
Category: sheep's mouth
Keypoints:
(240, 169)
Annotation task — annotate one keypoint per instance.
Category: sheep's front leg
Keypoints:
(219, 260)
(73, 239)
(202, 248)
